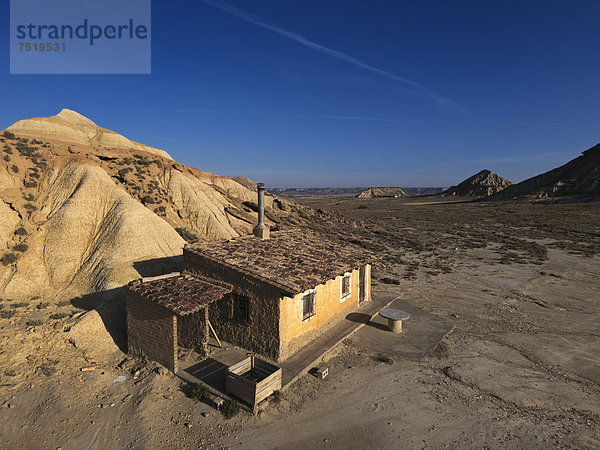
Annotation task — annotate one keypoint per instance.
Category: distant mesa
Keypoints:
(482, 184)
(71, 127)
(578, 179)
(377, 192)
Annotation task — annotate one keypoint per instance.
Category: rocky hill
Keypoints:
(481, 184)
(83, 209)
(578, 179)
(374, 192)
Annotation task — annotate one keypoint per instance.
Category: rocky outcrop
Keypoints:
(374, 192)
(77, 219)
(481, 184)
(578, 179)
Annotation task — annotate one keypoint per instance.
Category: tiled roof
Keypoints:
(294, 260)
(182, 294)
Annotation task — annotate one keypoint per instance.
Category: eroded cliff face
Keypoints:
(77, 219)
(578, 179)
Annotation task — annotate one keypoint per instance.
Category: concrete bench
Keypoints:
(395, 318)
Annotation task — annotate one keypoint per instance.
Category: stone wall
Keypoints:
(151, 331)
(192, 331)
(261, 332)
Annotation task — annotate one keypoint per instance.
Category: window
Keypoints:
(346, 289)
(308, 305)
(241, 308)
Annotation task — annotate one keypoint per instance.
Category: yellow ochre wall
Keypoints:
(295, 333)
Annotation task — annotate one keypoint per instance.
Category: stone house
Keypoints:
(270, 293)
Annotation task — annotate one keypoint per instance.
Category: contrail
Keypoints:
(264, 23)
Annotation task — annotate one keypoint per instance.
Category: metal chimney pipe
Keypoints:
(261, 203)
(261, 230)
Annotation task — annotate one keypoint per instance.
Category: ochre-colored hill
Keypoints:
(374, 192)
(78, 215)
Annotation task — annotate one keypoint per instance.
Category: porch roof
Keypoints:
(182, 294)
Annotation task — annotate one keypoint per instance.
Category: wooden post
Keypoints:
(213, 331)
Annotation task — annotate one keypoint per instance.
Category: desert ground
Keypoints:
(520, 369)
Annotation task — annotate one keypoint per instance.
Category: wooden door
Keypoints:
(362, 288)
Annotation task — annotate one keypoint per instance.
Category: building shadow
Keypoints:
(211, 372)
(358, 317)
(110, 304)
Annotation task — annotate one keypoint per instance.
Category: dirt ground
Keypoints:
(521, 369)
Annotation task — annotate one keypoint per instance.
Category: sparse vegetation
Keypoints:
(276, 397)
(34, 323)
(389, 280)
(385, 359)
(30, 184)
(21, 231)
(58, 316)
(20, 248)
(30, 207)
(230, 408)
(7, 313)
(8, 258)
(14, 168)
(199, 392)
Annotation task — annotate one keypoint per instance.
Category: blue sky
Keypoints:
(353, 93)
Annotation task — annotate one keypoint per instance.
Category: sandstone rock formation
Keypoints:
(70, 126)
(374, 192)
(77, 217)
(578, 179)
(481, 184)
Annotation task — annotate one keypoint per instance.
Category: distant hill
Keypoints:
(481, 184)
(341, 192)
(375, 192)
(578, 178)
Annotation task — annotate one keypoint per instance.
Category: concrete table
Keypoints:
(395, 318)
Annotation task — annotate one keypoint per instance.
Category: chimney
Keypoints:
(261, 230)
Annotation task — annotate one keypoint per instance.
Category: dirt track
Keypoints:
(521, 283)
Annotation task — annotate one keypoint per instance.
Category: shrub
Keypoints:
(59, 316)
(21, 248)
(276, 397)
(148, 200)
(42, 305)
(6, 158)
(8, 258)
(14, 168)
(34, 323)
(30, 184)
(21, 231)
(385, 359)
(8, 135)
(199, 392)
(34, 175)
(230, 408)
(29, 197)
(388, 280)
(19, 305)
(7, 149)
(7, 313)
(30, 207)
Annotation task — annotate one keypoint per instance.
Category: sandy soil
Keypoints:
(521, 368)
